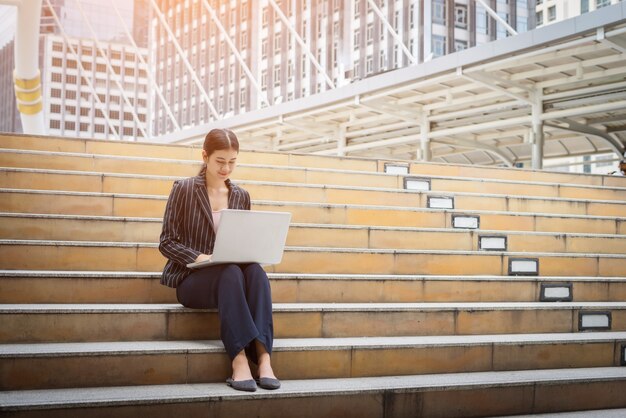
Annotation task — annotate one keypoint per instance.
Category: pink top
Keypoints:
(217, 215)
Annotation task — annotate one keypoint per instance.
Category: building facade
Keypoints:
(549, 11)
(70, 107)
(70, 60)
(349, 39)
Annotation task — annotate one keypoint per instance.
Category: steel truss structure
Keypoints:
(556, 91)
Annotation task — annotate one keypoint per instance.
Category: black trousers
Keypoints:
(241, 293)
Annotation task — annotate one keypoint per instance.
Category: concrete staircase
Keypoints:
(447, 291)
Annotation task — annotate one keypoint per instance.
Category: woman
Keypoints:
(240, 292)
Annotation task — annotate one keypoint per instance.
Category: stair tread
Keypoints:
(327, 205)
(300, 344)
(158, 394)
(312, 225)
(522, 254)
(314, 186)
(313, 276)
(292, 168)
(304, 307)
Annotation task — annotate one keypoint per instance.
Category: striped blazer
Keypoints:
(188, 224)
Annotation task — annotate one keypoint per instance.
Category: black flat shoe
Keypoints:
(268, 383)
(243, 385)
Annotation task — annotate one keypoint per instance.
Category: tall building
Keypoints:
(349, 39)
(9, 115)
(550, 11)
(70, 108)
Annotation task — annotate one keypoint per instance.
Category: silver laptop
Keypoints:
(246, 236)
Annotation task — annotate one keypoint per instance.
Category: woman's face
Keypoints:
(220, 164)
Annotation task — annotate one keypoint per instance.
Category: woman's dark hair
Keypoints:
(220, 139)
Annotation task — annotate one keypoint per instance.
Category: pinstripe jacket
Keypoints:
(188, 224)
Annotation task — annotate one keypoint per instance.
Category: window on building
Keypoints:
(242, 97)
(70, 126)
(71, 63)
(57, 47)
(369, 65)
(99, 129)
(276, 75)
(357, 8)
(70, 110)
(439, 12)
(57, 62)
(482, 21)
(116, 55)
(86, 65)
(70, 94)
(539, 17)
(439, 45)
(265, 16)
(84, 127)
(55, 124)
(460, 16)
(370, 33)
(289, 71)
(56, 77)
(357, 35)
(552, 13)
(128, 116)
(602, 3)
(356, 69)
(264, 79)
(129, 71)
(276, 43)
(114, 114)
(264, 49)
(584, 6)
(84, 111)
(460, 45)
(128, 131)
(55, 108)
(381, 62)
(70, 79)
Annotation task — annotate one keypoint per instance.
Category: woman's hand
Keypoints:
(203, 257)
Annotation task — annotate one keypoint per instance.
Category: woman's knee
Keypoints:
(231, 275)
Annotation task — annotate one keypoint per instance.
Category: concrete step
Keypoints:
(162, 185)
(124, 205)
(34, 323)
(433, 395)
(127, 256)
(28, 286)
(74, 365)
(44, 160)
(118, 229)
(161, 151)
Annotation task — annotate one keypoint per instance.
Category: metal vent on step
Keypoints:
(465, 221)
(492, 243)
(394, 168)
(440, 202)
(416, 183)
(594, 321)
(523, 267)
(556, 292)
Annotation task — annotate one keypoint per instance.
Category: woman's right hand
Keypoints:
(203, 257)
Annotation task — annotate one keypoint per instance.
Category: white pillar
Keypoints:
(341, 140)
(425, 152)
(537, 135)
(26, 75)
